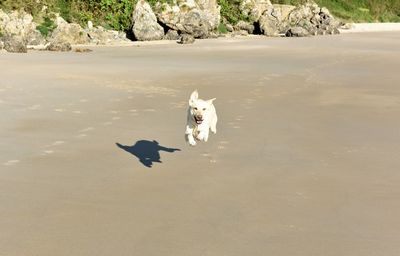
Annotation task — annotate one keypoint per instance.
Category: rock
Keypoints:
(71, 33)
(253, 9)
(145, 26)
(270, 22)
(186, 39)
(90, 24)
(239, 33)
(229, 27)
(15, 44)
(59, 47)
(316, 20)
(171, 35)
(198, 18)
(20, 23)
(243, 25)
(101, 36)
(297, 32)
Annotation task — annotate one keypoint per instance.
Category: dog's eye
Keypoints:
(195, 108)
(204, 109)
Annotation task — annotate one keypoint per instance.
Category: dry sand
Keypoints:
(372, 27)
(305, 161)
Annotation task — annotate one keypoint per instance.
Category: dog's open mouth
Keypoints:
(198, 120)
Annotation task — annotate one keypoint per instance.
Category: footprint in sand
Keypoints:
(59, 109)
(116, 118)
(34, 107)
(77, 112)
(83, 100)
(107, 123)
(81, 135)
(47, 152)
(11, 162)
(149, 110)
(86, 129)
(208, 155)
(113, 112)
(58, 142)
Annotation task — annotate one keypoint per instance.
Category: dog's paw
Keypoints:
(192, 142)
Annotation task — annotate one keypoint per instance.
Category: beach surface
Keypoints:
(305, 162)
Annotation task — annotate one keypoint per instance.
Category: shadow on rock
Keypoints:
(147, 151)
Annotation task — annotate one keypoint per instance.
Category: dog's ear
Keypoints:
(193, 97)
(211, 101)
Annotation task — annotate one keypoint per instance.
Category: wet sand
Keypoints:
(305, 161)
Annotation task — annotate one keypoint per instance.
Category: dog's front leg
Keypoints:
(203, 135)
(189, 136)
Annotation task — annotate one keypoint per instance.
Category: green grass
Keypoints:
(230, 11)
(46, 27)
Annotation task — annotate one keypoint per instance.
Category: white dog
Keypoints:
(201, 118)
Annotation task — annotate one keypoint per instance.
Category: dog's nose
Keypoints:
(200, 117)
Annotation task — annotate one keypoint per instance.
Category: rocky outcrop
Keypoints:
(198, 18)
(304, 20)
(145, 26)
(316, 20)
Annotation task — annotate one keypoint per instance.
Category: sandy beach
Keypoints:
(305, 162)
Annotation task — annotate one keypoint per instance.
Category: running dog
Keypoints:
(201, 118)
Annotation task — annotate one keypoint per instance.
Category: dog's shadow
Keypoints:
(147, 151)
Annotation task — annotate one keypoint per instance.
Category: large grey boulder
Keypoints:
(171, 35)
(271, 21)
(145, 26)
(186, 39)
(253, 9)
(246, 26)
(198, 18)
(297, 32)
(15, 44)
(101, 36)
(59, 47)
(71, 33)
(20, 24)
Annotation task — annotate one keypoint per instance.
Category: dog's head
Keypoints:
(199, 107)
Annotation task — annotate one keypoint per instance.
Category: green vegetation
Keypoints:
(116, 14)
(230, 11)
(46, 27)
(222, 28)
